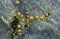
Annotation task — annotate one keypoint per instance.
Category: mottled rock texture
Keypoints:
(49, 30)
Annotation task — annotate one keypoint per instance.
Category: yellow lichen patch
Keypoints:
(21, 16)
(46, 14)
(21, 19)
(31, 17)
(41, 17)
(26, 21)
(19, 31)
(18, 26)
(18, 14)
(36, 17)
(17, 3)
(46, 19)
(27, 13)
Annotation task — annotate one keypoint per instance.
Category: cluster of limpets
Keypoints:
(16, 18)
